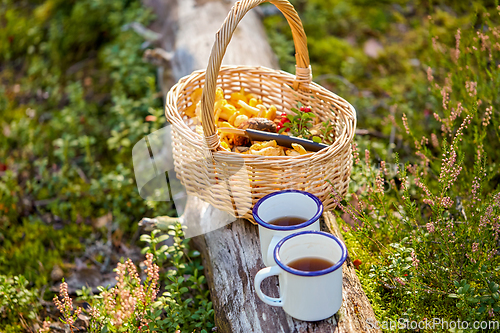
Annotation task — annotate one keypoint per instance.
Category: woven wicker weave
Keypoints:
(234, 182)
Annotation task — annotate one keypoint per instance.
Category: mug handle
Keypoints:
(270, 249)
(259, 277)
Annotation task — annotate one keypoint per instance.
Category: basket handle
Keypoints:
(222, 39)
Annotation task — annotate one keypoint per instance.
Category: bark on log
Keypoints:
(231, 254)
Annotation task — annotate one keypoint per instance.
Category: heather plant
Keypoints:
(123, 308)
(66, 306)
(424, 212)
(135, 303)
(435, 226)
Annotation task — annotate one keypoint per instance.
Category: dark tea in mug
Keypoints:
(286, 221)
(310, 264)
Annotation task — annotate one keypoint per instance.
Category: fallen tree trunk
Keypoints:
(231, 254)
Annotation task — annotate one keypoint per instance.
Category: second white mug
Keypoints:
(306, 295)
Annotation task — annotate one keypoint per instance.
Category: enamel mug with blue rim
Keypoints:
(306, 295)
(293, 203)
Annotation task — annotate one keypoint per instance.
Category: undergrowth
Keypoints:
(75, 95)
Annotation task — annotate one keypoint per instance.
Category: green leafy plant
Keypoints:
(300, 123)
(19, 305)
(74, 97)
(186, 299)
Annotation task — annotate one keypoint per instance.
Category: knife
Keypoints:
(282, 140)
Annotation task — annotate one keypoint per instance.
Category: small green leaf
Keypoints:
(163, 238)
(317, 139)
(472, 300)
(145, 238)
(484, 299)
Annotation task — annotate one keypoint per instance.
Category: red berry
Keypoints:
(302, 108)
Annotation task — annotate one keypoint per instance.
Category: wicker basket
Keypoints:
(234, 182)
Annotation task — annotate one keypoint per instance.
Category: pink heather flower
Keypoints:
(474, 247)
(430, 227)
(399, 280)
(412, 169)
(490, 312)
(455, 113)
(367, 158)
(438, 118)
(94, 313)
(435, 43)
(476, 185)
(429, 74)
(383, 167)
(446, 98)
(66, 306)
(487, 116)
(429, 202)
(45, 327)
(379, 183)
(393, 183)
(337, 198)
(414, 259)
(405, 123)
(457, 45)
(423, 187)
(130, 298)
(471, 88)
(446, 202)
(470, 258)
(152, 271)
(424, 141)
(492, 253)
(485, 43)
(355, 153)
(434, 140)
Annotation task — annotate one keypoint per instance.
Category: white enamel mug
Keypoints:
(306, 295)
(280, 204)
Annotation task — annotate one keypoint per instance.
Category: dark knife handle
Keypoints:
(284, 140)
